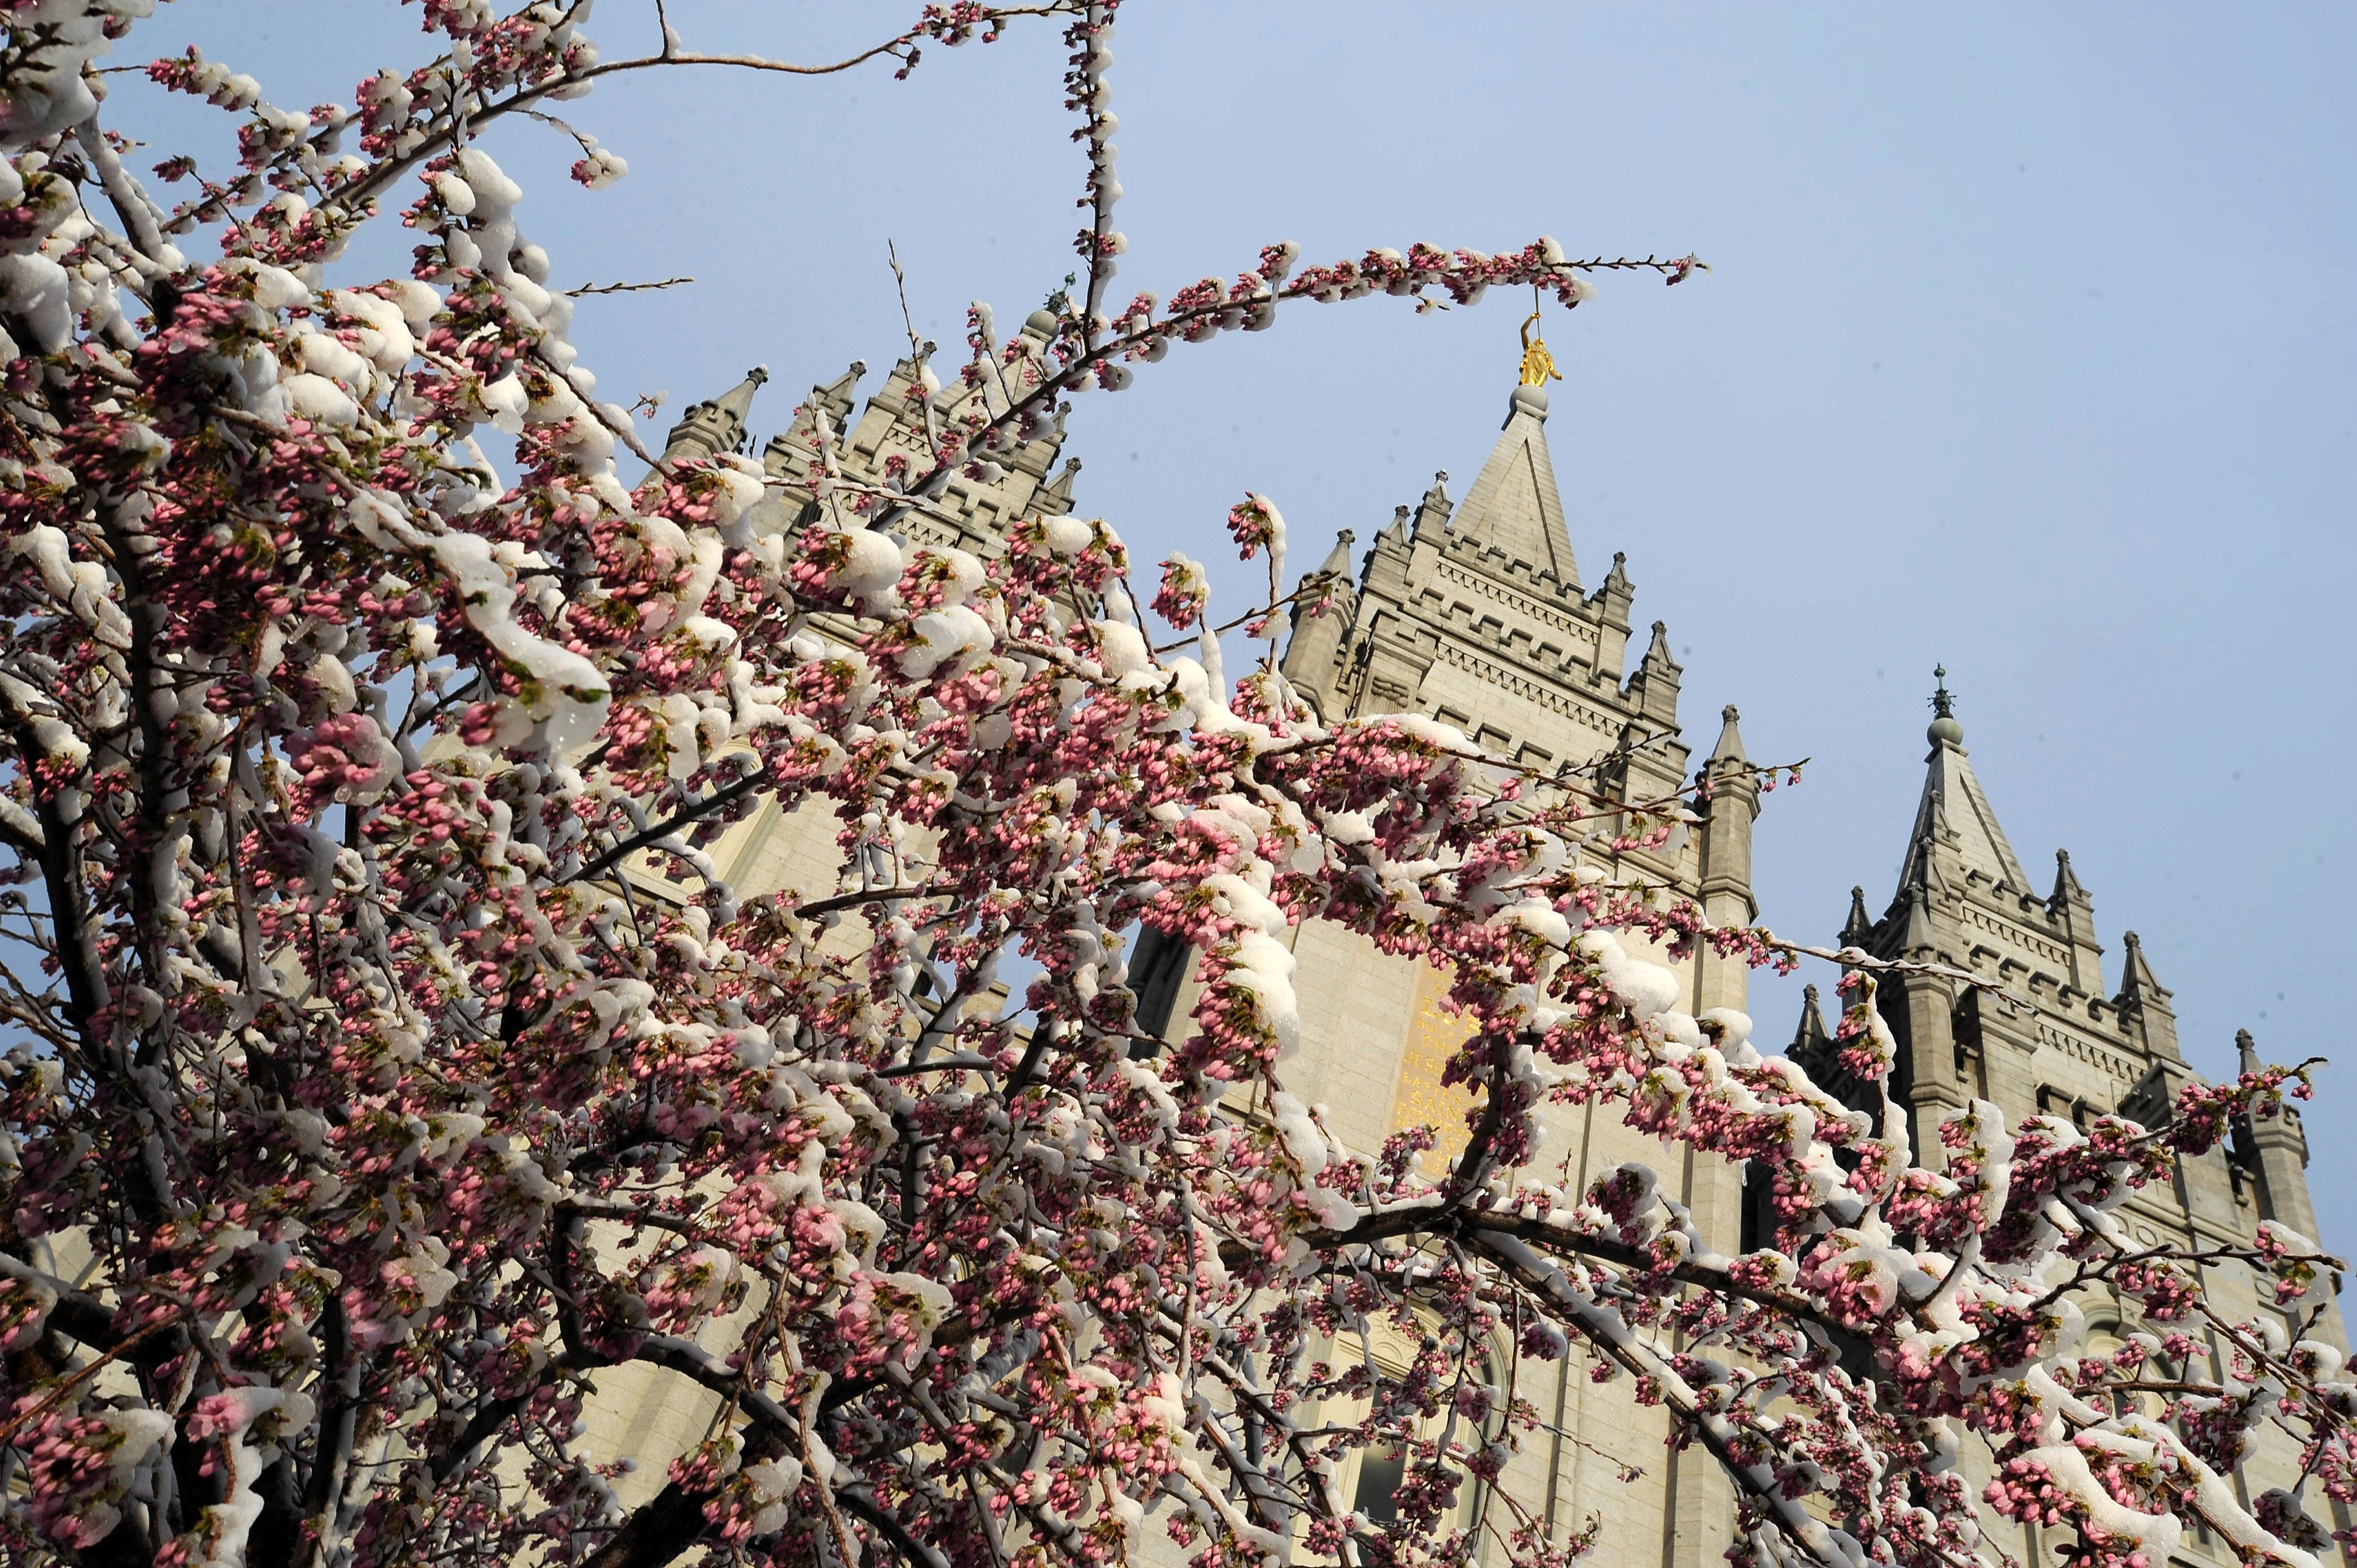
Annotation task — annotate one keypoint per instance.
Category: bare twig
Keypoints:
(479, 114)
(920, 351)
(1858, 958)
(590, 288)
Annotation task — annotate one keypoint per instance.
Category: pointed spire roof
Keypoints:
(1397, 528)
(708, 429)
(2138, 985)
(1729, 749)
(1812, 1021)
(1861, 925)
(1337, 560)
(836, 394)
(1513, 505)
(738, 400)
(1954, 816)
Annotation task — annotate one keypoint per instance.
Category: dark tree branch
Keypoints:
(657, 1533)
(864, 1508)
(736, 790)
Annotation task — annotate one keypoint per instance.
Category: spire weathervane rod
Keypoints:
(1943, 702)
(1538, 365)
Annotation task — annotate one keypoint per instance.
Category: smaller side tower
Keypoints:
(894, 440)
(2279, 1145)
(1732, 804)
(1315, 642)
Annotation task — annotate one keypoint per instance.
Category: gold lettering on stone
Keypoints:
(1420, 1098)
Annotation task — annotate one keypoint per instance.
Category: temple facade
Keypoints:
(1473, 613)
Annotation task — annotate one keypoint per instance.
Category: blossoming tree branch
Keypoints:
(346, 691)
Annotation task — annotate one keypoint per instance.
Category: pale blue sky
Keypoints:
(2029, 348)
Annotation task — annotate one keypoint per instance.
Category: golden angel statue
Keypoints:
(1538, 365)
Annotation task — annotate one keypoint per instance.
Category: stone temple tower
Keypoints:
(1472, 613)
(2079, 1048)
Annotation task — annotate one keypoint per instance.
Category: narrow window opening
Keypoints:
(1382, 1470)
(1156, 968)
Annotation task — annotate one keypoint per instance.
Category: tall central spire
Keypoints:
(1955, 812)
(1513, 505)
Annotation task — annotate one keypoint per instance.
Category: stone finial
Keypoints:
(1655, 687)
(2066, 883)
(2139, 987)
(1057, 494)
(1433, 513)
(2247, 1050)
(1916, 933)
